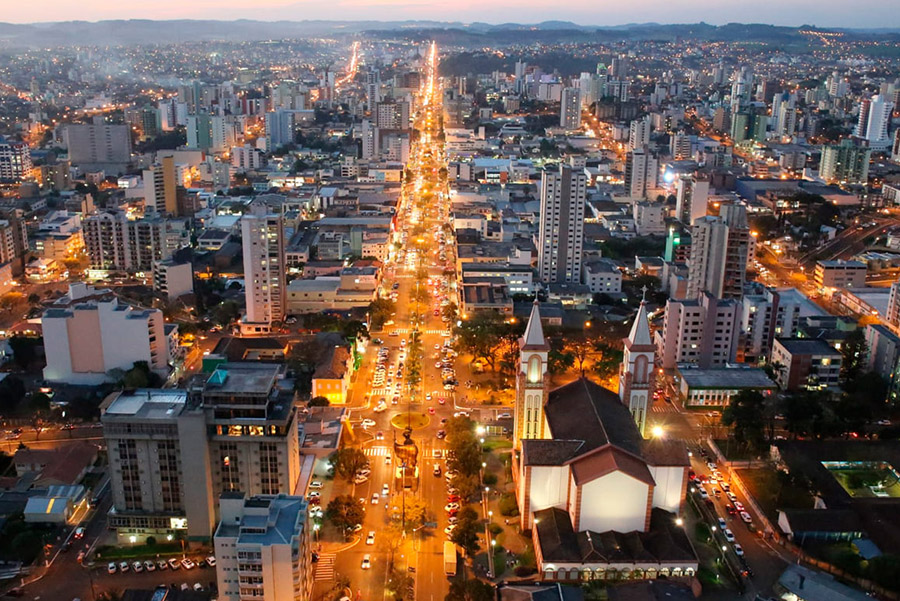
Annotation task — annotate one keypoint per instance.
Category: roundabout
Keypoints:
(415, 421)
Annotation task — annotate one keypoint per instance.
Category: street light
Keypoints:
(657, 432)
(679, 522)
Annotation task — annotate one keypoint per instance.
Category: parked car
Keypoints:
(174, 563)
(366, 561)
(187, 564)
(729, 535)
(211, 561)
(746, 517)
(370, 540)
(124, 567)
(138, 567)
(111, 568)
(149, 566)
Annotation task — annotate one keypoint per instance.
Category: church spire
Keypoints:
(640, 329)
(534, 331)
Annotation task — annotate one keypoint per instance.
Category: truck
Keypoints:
(449, 558)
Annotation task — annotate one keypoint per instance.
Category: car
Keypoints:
(375, 498)
(111, 568)
(79, 532)
(124, 567)
(746, 517)
(315, 484)
(703, 494)
(358, 479)
(731, 496)
(149, 566)
(451, 507)
(449, 529)
(452, 513)
(356, 528)
(368, 423)
(739, 506)
(730, 509)
(174, 563)
(387, 459)
(441, 434)
(711, 466)
(395, 400)
(211, 561)
(738, 550)
(370, 540)
(314, 494)
(729, 535)
(366, 561)
(437, 470)
(198, 587)
(442, 400)
(380, 408)
(453, 519)
(452, 498)
(162, 565)
(138, 567)
(431, 411)
(723, 524)
(187, 564)
(504, 416)
(185, 586)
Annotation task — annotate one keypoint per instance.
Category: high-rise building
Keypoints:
(279, 129)
(702, 332)
(115, 243)
(845, 162)
(373, 88)
(247, 157)
(641, 172)
(199, 131)
(370, 144)
(570, 109)
(263, 242)
(98, 144)
(262, 548)
(639, 133)
(784, 114)
(691, 198)
(895, 148)
(88, 333)
(874, 119)
(13, 240)
(561, 236)
(160, 183)
(393, 114)
(764, 317)
(636, 371)
(15, 161)
(172, 453)
(720, 249)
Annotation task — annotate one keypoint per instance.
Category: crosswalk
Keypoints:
(325, 567)
(376, 451)
(663, 408)
(377, 393)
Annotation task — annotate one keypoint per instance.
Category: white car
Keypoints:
(187, 564)
(124, 567)
(370, 540)
(449, 529)
(738, 550)
(729, 535)
(746, 517)
(384, 489)
(366, 561)
(451, 507)
(149, 566)
(211, 561)
(375, 498)
(111, 568)
(138, 567)
(368, 423)
(723, 524)
(315, 484)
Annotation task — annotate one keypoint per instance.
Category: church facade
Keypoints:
(600, 500)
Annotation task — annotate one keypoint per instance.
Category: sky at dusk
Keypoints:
(826, 13)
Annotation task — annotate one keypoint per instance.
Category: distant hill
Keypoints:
(138, 31)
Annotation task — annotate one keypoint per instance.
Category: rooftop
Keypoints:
(807, 346)
(242, 378)
(149, 403)
(727, 378)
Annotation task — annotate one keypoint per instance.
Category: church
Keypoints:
(600, 500)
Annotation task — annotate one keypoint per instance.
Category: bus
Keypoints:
(449, 558)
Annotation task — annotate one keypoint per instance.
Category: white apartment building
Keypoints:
(88, 333)
(639, 133)
(263, 246)
(13, 239)
(392, 114)
(691, 198)
(720, 249)
(649, 218)
(173, 279)
(561, 234)
(602, 277)
(247, 157)
(641, 171)
(570, 109)
(15, 161)
(764, 317)
(702, 332)
(115, 243)
(262, 548)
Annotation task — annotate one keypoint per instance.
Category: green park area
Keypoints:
(866, 479)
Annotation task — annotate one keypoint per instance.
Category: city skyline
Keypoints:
(868, 14)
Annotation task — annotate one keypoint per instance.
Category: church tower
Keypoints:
(636, 371)
(532, 381)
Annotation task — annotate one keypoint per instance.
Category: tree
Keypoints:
(345, 512)
(12, 391)
(607, 360)
(348, 461)
(801, 411)
(853, 354)
(318, 401)
(470, 590)
(450, 312)
(416, 512)
(745, 415)
(582, 347)
(399, 582)
(23, 349)
(380, 311)
(466, 532)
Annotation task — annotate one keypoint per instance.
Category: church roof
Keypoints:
(559, 543)
(607, 460)
(536, 451)
(585, 411)
(640, 329)
(663, 452)
(534, 331)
